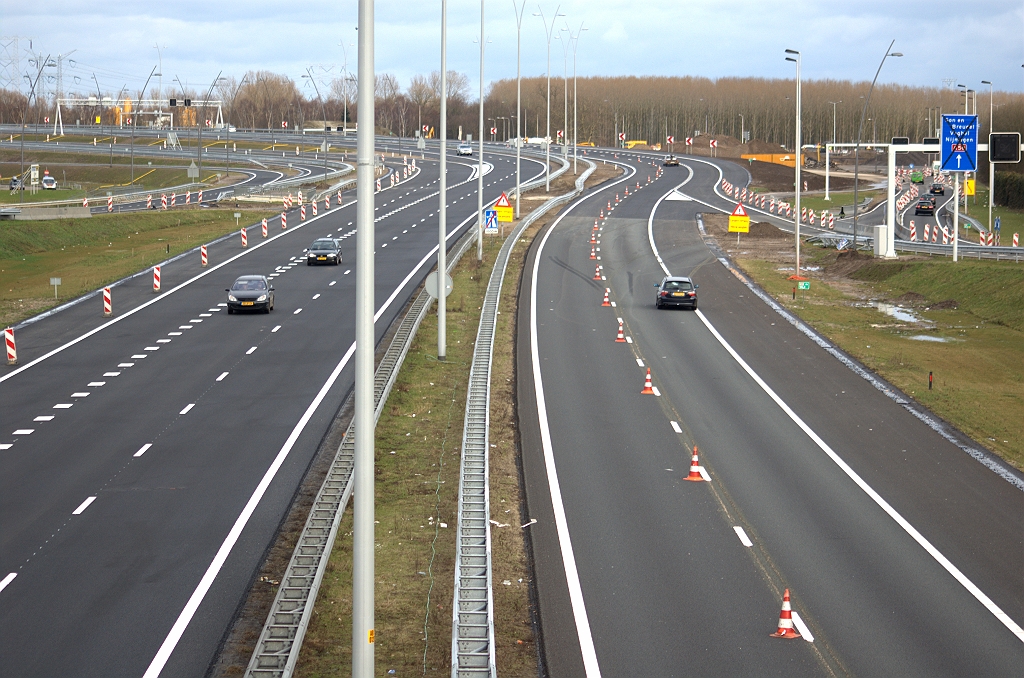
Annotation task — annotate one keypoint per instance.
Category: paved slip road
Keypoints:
(128, 458)
(903, 554)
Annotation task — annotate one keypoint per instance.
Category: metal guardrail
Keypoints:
(473, 605)
(277, 649)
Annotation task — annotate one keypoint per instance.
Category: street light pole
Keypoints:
(227, 165)
(799, 160)
(991, 165)
(24, 114)
(860, 132)
(323, 110)
(199, 126)
(134, 123)
(827, 148)
(480, 163)
(575, 40)
(519, 98)
(363, 504)
(565, 93)
(442, 210)
(547, 141)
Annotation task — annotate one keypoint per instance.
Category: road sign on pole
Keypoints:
(739, 221)
(959, 143)
(504, 208)
(490, 221)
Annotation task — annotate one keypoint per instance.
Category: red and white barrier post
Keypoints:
(188, 197)
(1015, 240)
(284, 220)
(110, 203)
(913, 231)
(174, 199)
(163, 201)
(156, 278)
(264, 225)
(245, 242)
(107, 308)
(202, 255)
(12, 351)
(149, 202)
(200, 198)
(302, 213)
(85, 201)
(314, 208)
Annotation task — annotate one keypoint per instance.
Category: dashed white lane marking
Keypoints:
(744, 539)
(84, 505)
(184, 327)
(63, 406)
(195, 320)
(251, 351)
(44, 417)
(805, 632)
(297, 311)
(613, 304)
(23, 432)
(223, 304)
(111, 374)
(85, 394)
(214, 310)
(205, 315)
(187, 408)
(126, 364)
(139, 356)
(7, 580)
(6, 446)
(629, 340)
(675, 426)
(656, 391)
(333, 283)
(163, 341)
(142, 450)
(151, 348)
(316, 296)
(93, 383)
(639, 362)
(275, 329)
(347, 271)
(174, 334)
(222, 375)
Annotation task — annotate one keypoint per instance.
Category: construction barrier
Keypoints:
(188, 197)
(264, 226)
(245, 242)
(85, 201)
(200, 198)
(1015, 240)
(302, 213)
(284, 220)
(149, 202)
(12, 351)
(202, 255)
(927, 231)
(107, 306)
(174, 199)
(913, 231)
(110, 203)
(314, 208)
(156, 278)
(163, 201)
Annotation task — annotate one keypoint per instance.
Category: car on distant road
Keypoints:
(16, 184)
(464, 149)
(937, 189)
(917, 177)
(324, 251)
(49, 183)
(671, 161)
(250, 293)
(925, 205)
(676, 291)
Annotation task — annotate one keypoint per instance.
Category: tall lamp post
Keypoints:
(799, 161)
(200, 123)
(519, 97)
(363, 505)
(234, 94)
(575, 40)
(134, 124)
(24, 114)
(549, 30)
(827, 148)
(442, 209)
(480, 164)
(565, 92)
(860, 132)
(991, 165)
(323, 110)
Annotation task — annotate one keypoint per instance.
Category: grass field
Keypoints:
(970, 334)
(88, 253)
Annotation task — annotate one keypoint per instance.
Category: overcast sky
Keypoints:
(115, 39)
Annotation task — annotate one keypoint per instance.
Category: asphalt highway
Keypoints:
(902, 553)
(146, 461)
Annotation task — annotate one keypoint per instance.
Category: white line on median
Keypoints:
(7, 580)
(187, 408)
(805, 632)
(297, 311)
(142, 450)
(251, 351)
(675, 427)
(84, 505)
(275, 329)
(744, 539)
(222, 375)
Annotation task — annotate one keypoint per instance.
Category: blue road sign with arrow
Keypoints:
(959, 143)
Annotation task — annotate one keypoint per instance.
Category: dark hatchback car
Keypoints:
(676, 291)
(937, 189)
(251, 293)
(925, 205)
(324, 251)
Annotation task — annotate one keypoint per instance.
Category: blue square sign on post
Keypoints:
(490, 221)
(959, 143)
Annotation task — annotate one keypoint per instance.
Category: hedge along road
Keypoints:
(191, 429)
(901, 551)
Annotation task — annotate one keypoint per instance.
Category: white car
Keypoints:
(465, 149)
(49, 183)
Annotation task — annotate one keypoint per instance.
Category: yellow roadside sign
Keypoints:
(739, 221)
(504, 208)
(968, 186)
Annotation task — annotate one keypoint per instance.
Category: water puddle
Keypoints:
(929, 337)
(904, 314)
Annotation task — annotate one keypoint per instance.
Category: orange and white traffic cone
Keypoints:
(786, 629)
(597, 272)
(602, 214)
(648, 386)
(695, 475)
(593, 237)
(593, 252)
(606, 301)
(620, 338)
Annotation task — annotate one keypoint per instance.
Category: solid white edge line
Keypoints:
(142, 450)
(185, 617)
(7, 580)
(877, 498)
(572, 576)
(84, 505)
(742, 534)
(978, 594)
(650, 220)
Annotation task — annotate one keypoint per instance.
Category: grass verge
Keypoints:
(88, 253)
(417, 491)
(968, 332)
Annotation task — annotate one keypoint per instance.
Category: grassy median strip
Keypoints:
(88, 253)
(417, 494)
(904, 319)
